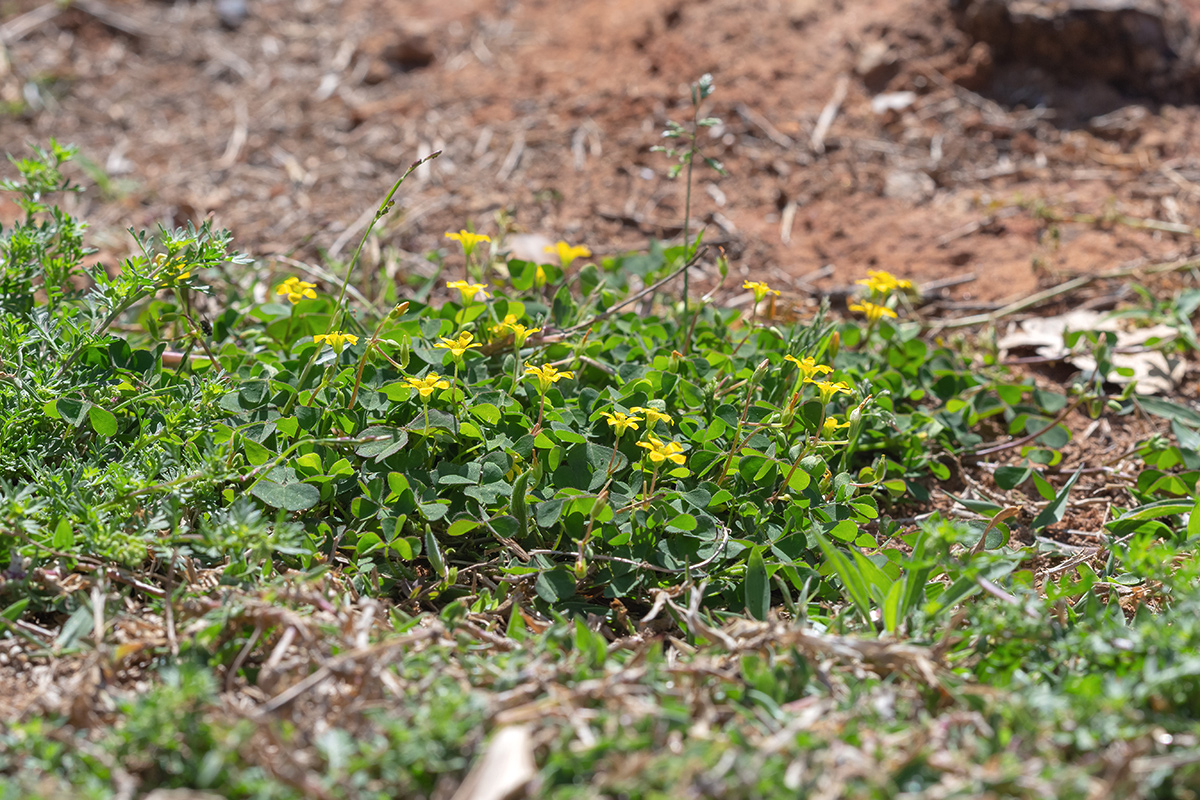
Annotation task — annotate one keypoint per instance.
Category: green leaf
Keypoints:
(256, 454)
(64, 535)
(548, 512)
(893, 607)
(103, 421)
(68, 408)
(434, 511)
(461, 527)
(555, 585)
(434, 554)
(290, 497)
(1054, 510)
(14, 611)
(682, 524)
(486, 412)
(856, 587)
(1168, 410)
(757, 586)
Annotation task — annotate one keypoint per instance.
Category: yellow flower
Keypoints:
(827, 390)
(503, 327)
(566, 253)
(831, 426)
(468, 290)
(622, 422)
(521, 333)
(539, 277)
(468, 240)
(809, 367)
(458, 346)
(653, 415)
(510, 325)
(296, 290)
(760, 290)
(337, 341)
(426, 385)
(547, 376)
(659, 451)
(872, 311)
(883, 283)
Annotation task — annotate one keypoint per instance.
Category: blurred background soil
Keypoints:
(858, 134)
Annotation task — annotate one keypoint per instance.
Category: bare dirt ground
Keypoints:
(290, 124)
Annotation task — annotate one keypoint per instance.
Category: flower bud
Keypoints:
(760, 371)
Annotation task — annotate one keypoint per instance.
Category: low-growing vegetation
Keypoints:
(267, 536)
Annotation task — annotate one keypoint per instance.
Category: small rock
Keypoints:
(908, 185)
(877, 64)
(232, 13)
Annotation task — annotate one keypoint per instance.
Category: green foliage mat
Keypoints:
(321, 544)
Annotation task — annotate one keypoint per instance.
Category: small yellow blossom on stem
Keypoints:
(458, 346)
(831, 426)
(872, 311)
(510, 325)
(469, 291)
(828, 390)
(652, 415)
(760, 290)
(882, 283)
(547, 376)
(659, 451)
(809, 368)
(621, 422)
(566, 253)
(468, 240)
(426, 385)
(337, 341)
(504, 326)
(296, 290)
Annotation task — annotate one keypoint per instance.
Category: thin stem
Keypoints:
(736, 437)
(339, 306)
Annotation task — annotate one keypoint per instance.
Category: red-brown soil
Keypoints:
(289, 129)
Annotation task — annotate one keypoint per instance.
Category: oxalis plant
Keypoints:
(528, 437)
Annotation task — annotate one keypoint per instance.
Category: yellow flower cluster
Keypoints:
(882, 283)
(659, 451)
(510, 325)
(872, 311)
(809, 367)
(296, 290)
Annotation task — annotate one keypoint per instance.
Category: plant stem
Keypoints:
(339, 306)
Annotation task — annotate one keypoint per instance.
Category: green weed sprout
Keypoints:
(685, 156)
